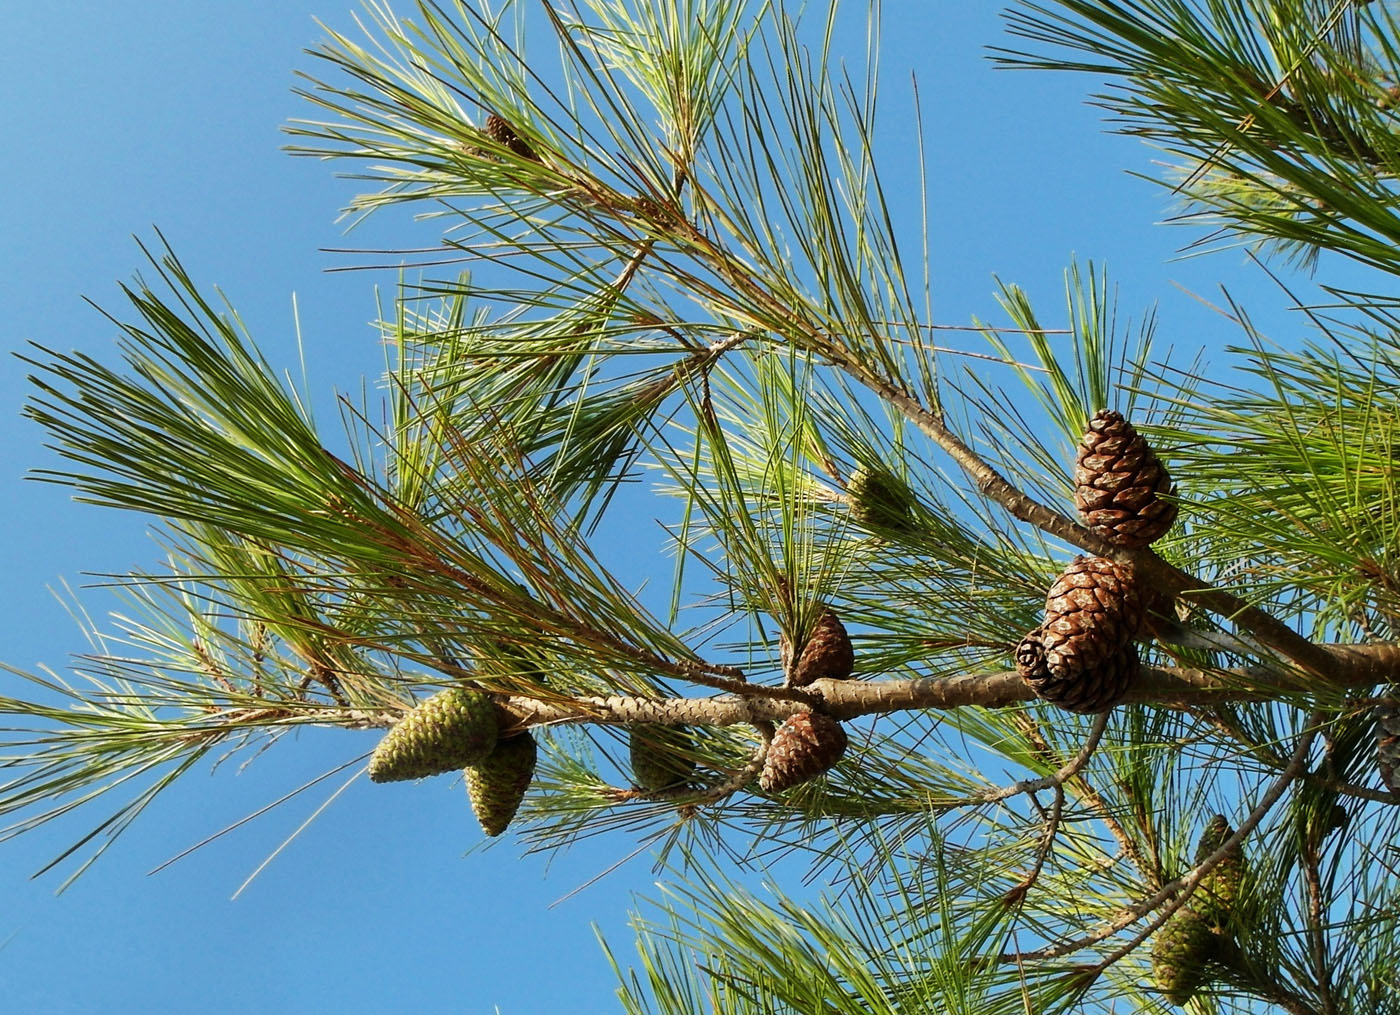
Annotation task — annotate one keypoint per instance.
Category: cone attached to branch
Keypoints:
(1180, 953)
(661, 756)
(804, 746)
(1387, 716)
(451, 730)
(1218, 894)
(497, 783)
(1089, 690)
(1091, 611)
(879, 499)
(1082, 656)
(498, 129)
(828, 653)
(1119, 483)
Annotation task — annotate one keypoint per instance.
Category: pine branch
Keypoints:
(1168, 686)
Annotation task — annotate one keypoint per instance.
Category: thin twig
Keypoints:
(1088, 794)
(1058, 778)
(1185, 885)
(1316, 927)
(1019, 891)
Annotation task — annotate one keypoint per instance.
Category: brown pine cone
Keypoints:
(1117, 482)
(1092, 610)
(828, 653)
(498, 129)
(1094, 689)
(805, 746)
(1387, 716)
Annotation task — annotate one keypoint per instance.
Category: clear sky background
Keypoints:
(123, 116)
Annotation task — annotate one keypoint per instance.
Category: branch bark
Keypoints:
(1352, 666)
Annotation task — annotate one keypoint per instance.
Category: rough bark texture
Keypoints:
(1349, 666)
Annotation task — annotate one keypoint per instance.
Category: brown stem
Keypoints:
(1316, 929)
(1057, 778)
(1019, 891)
(846, 699)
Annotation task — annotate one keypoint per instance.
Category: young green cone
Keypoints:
(1219, 890)
(660, 755)
(449, 731)
(879, 499)
(497, 783)
(1180, 953)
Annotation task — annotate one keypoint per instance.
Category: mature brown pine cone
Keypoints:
(1118, 481)
(497, 783)
(1091, 611)
(1387, 716)
(805, 746)
(451, 730)
(1219, 891)
(828, 653)
(1088, 690)
(661, 756)
(498, 129)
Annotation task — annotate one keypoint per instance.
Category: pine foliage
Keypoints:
(695, 303)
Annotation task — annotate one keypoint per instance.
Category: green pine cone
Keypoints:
(446, 733)
(661, 757)
(497, 784)
(1219, 892)
(1180, 953)
(879, 499)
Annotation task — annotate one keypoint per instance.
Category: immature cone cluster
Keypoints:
(1218, 894)
(1387, 716)
(879, 499)
(1200, 932)
(498, 129)
(496, 785)
(804, 746)
(1118, 483)
(828, 653)
(1082, 656)
(661, 757)
(1181, 952)
(451, 730)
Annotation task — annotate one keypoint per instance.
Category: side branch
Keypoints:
(1270, 631)
(1355, 665)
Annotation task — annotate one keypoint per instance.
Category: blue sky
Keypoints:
(121, 117)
